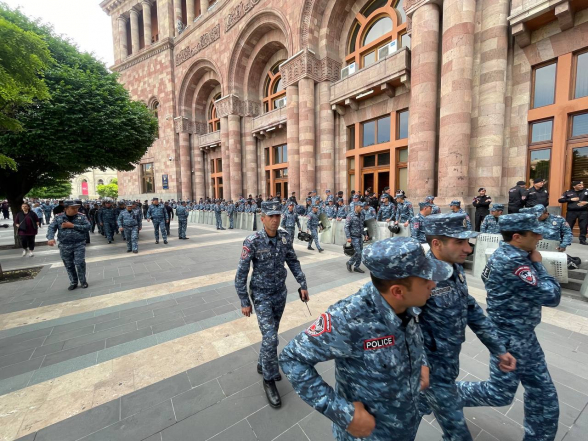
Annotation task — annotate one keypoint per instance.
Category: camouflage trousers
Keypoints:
(269, 309)
(231, 220)
(109, 229)
(47, 218)
(290, 231)
(131, 235)
(540, 398)
(159, 224)
(315, 239)
(219, 222)
(182, 226)
(358, 247)
(74, 260)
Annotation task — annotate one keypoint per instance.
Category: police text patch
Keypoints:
(378, 343)
(526, 274)
(320, 326)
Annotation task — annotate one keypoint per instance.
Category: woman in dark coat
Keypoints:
(27, 223)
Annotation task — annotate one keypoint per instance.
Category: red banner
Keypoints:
(85, 188)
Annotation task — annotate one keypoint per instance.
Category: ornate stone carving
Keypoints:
(238, 12)
(251, 108)
(228, 105)
(305, 65)
(200, 128)
(205, 40)
(151, 51)
(182, 125)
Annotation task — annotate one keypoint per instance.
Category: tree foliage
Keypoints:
(59, 190)
(89, 121)
(109, 190)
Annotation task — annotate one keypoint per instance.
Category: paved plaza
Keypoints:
(157, 349)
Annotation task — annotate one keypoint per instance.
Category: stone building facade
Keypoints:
(84, 186)
(430, 96)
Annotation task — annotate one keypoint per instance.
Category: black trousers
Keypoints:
(582, 218)
(513, 209)
(27, 242)
(479, 218)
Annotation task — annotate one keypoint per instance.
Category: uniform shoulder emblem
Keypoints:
(320, 326)
(378, 343)
(526, 274)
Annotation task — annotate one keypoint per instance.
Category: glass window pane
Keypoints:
(267, 157)
(369, 59)
(405, 41)
(353, 38)
(540, 160)
(582, 76)
(371, 7)
(369, 133)
(384, 158)
(544, 85)
(403, 155)
(350, 184)
(278, 86)
(384, 130)
(402, 178)
(351, 138)
(580, 164)
(541, 131)
(350, 163)
(285, 152)
(219, 165)
(403, 125)
(580, 125)
(400, 9)
(379, 28)
(369, 161)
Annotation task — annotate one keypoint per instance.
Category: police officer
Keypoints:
(182, 215)
(290, 221)
(107, 216)
(376, 343)
(387, 211)
(577, 200)
(444, 320)
(553, 227)
(482, 204)
(331, 209)
(268, 250)
(434, 208)
(341, 209)
(417, 227)
(47, 209)
(71, 227)
(404, 211)
(217, 214)
(130, 224)
(354, 234)
(490, 222)
(369, 212)
(518, 286)
(455, 206)
(537, 194)
(231, 213)
(158, 214)
(312, 228)
(170, 216)
(516, 197)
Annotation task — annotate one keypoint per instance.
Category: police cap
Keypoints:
(425, 204)
(271, 208)
(497, 207)
(455, 203)
(519, 222)
(70, 203)
(449, 225)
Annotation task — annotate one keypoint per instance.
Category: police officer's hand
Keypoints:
(574, 199)
(424, 377)
(304, 295)
(349, 240)
(387, 220)
(167, 221)
(363, 423)
(561, 249)
(507, 363)
(101, 224)
(121, 229)
(246, 311)
(67, 225)
(51, 242)
(406, 224)
(148, 220)
(535, 256)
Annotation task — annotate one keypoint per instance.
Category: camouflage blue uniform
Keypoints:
(342, 212)
(47, 210)
(182, 215)
(290, 221)
(354, 231)
(268, 285)
(417, 230)
(404, 211)
(444, 319)
(129, 221)
(312, 226)
(331, 211)
(490, 225)
(378, 354)
(107, 217)
(554, 227)
(369, 212)
(217, 214)
(72, 244)
(158, 215)
(517, 290)
(231, 214)
(387, 211)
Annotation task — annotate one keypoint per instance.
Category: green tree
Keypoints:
(59, 190)
(89, 121)
(109, 190)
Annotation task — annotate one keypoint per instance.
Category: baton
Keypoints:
(305, 302)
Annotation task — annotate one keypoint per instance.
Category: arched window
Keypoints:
(274, 94)
(213, 119)
(376, 25)
(100, 182)
(155, 110)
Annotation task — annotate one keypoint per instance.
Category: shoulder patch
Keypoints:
(526, 274)
(320, 326)
(486, 272)
(245, 252)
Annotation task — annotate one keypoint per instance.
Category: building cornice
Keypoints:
(412, 5)
(305, 64)
(150, 51)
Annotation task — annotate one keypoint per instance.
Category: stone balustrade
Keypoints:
(209, 139)
(269, 119)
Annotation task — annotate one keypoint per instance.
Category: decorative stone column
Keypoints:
(178, 16)
(190, 12)
(199, 188)
(326, 154)
(292, 140)
(185, 180)
(307, 139)
(235, 156)
(204, 6)
(422, 120)
(135, 30)
(147, 21)
(226, 156)
(250, 157)
(122, 32)
(456, 97)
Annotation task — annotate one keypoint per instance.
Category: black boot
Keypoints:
(165, 242)
(260, 372)
(272, 394)
(72, 287)
(310, 248)
(349, 267)
(85, 285)
(136, 251)
(358, 270)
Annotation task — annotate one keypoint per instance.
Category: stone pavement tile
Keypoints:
(177, 332)
(17, 357)
(78, 351)
(147, 308)
(317, 427)
(193, 318)
(83, 424)
(567, 414)
(149, 396)
(168, 324)
(124, 320)
(220, 416)
(239, 432)
(63, 368)
(102, 335)
(495, 423)
(220, 366)
(239, 378)
(570, 366)
(20, 368)
(197, 399)
(68, 335)
(126, 348)
(15, 383)
(129, 336)
(295, 433)
(483, 436)
(86, 322)
(156, 437)
(224, 309)
(580, 429)
(6, 343)
(20, 306)
(29, 437)
(140, 426)
(204, 307)
(571, 397)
